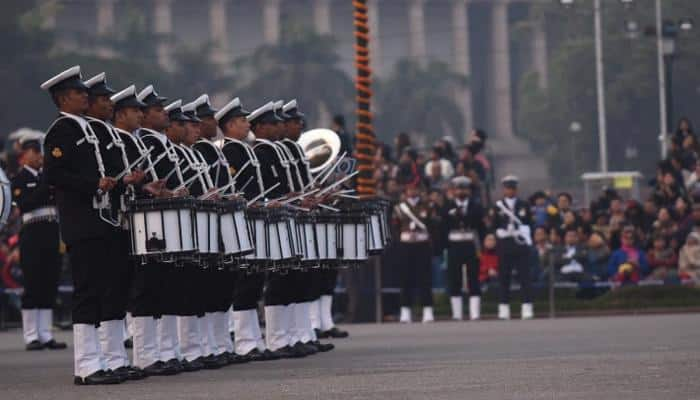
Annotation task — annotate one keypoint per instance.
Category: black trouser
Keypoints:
(459, 254)
(416, 280)
(150, 290)
(97, 295)
(40, 262)
(218, 288)
(280, 288)
(512, 255)
(328, 279)
(248, 290)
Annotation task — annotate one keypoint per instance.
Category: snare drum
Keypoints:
(326, 229)
(236, 238)
(273, 238)
(306, 225)
(162, 229)
(377, 234)
(207, 228)
(352, 235)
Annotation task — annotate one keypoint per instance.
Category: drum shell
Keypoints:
(162, 229)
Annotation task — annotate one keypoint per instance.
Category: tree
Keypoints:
(418, 99)
(303, 66)
(631, 89)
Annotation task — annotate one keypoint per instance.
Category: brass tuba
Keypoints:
(321, 147)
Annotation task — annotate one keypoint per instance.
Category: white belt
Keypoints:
(460, 236)
(40, 214)
(414, 236)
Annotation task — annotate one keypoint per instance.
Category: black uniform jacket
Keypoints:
(237, 154)
(70, 165)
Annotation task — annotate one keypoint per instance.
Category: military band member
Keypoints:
(412, 216)
(100, 111)
(464, 226)
(144, 302)
(234, 124)
(267, 126)
(511, 218)
(222, 282)
(212, 359)
(308, 285)
(73, 166)
(39, 242)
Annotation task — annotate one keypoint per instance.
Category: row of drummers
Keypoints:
(240, 201)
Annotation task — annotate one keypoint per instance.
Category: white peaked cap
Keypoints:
(145, 92)
(261, 110)
(175, 104)
(290, 106)
(69, 73)
(203, 99)
(189, 106)
(130, 91)
(228, 107)
(101, 77)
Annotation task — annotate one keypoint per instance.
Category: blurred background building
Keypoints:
(521, 70)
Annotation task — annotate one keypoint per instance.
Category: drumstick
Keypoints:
(346, 196)
(301, 196)
(177, 165)
(328, 207)
(298, 208)
(340, 182)
(153, 164)
(258, 197)
(127, 170)
(246, 184)
(333, 167)
(217, 191)
(323, 172)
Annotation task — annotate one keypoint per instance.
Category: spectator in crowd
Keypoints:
(689, 260)
(488, 261)
(406, 172)
(628, 264)
(538, 202)
(402, 142)
(438, 170)
(570, 258)
(663, 261)
(665, 225)
(692, 179)
(684, 130)
(598, 254)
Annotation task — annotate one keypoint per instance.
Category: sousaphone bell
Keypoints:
(321, 147)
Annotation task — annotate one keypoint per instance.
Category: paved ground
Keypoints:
(644, 357)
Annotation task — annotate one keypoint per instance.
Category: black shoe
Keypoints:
(54, 345)
(159, 368)
(335, 333)
(309, 348)
(191, 366)
(175, 364)
(130, 373)
(322, 347)
(222, 359)
(289, 352)
(128, 344)
(234, 358)
(99, 378)
(320, 334)
(209, 362)
(34, 345)
(269, 356)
